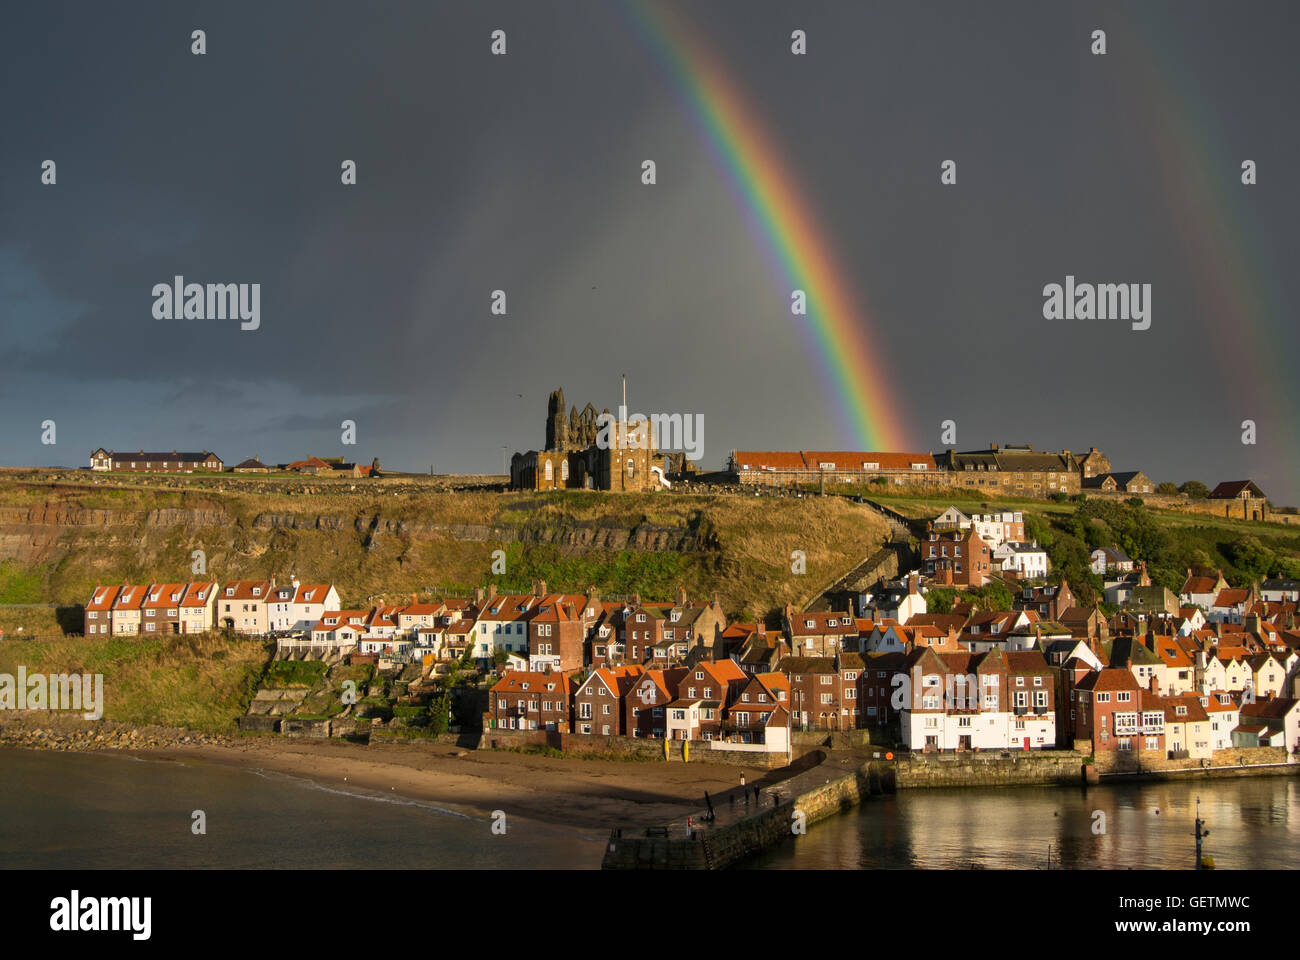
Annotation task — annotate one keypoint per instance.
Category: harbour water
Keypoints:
(1254, 823)
(108, 810)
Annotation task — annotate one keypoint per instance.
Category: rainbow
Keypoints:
(1233, 271)
(835, 325)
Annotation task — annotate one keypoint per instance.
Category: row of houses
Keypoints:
(175, 461)
(256, 607)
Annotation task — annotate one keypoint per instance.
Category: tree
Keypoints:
(994, 595)
(1167, 488)
(1288, 567)
(438, 714)
(1195, 489)
(940, 599)
(1250, 556)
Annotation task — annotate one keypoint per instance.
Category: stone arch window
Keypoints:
(564, 471)
(550, 471)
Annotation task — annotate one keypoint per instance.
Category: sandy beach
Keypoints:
(589, 793)
(593, 794)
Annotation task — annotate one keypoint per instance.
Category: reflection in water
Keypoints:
(1253, 824)
(104, 810)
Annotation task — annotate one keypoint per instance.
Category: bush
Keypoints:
(295, 673)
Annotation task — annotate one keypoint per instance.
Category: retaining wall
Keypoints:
(818, 793)
(982, 770)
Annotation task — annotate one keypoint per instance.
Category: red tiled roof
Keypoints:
(103, 598)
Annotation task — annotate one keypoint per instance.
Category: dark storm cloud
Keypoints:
(521, 173)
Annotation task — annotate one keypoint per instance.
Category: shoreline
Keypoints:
(576, 792)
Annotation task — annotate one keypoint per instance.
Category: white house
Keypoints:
(952, 519)
(900, 600)
(1027, 560)
(502, 625)
(998, 528)
(310, 601)
(1109, 559)
(1279, 590)
(1224, 716)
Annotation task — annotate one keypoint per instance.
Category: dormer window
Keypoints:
(257, 591)
(230, 591)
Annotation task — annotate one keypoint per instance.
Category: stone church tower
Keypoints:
(557, 422)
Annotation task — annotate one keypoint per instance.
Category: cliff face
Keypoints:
(370, 542)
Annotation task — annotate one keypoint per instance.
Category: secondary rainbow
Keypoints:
(785, 223)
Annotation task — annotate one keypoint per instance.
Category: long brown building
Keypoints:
(1011, 470)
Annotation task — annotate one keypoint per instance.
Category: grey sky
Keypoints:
(523, 173)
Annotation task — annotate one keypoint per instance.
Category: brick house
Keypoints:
(696, 625)
(598, 704)
(978, 701)
(703, 693)
(956, 558)
(760, 713)
(1049, 601)
(821, 634)
(557, 632)
(99, 611)
(645, 706)
(1115, 714)
(161, 613)
(641, 629)
(817, 694)
(876, 687)
(529, 701)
